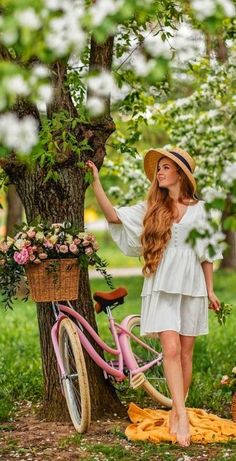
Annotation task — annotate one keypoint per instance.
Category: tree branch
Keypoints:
(101, 59)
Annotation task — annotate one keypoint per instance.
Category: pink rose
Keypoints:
(43, 255)
(63, 249)
(77, 241)
(30, 250)
(88, 251)
(31, 234)
(21, 257)
(32, 258)
(73, 248)
(85, 243)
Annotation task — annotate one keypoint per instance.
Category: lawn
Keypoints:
(21, 389)
(20, 358)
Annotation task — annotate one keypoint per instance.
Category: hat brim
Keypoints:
(152, 158)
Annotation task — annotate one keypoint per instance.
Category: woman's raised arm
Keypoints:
(103, 201)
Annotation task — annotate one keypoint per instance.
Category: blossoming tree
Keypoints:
(61, 65)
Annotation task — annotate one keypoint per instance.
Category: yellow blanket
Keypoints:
(153, 425)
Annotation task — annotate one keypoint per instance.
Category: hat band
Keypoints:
(179, 156)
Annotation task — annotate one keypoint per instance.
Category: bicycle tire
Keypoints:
(159, 391)
(75, 383)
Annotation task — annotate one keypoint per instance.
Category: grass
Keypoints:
(20, 362)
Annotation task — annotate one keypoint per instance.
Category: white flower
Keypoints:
(228, 7)
(19, 244)
(209, 8)
(210, 194)
(102, 84)
(28, 18)
(9, 37)
(65, 32)
(141, 65)
(18, 134)
(44, 94)
(40, 71)
(229, 174)
(53, 4)
(17, 84)
(95, 105)
(234, 370)
(103, 8)
(156, 46)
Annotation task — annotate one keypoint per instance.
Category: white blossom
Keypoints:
(102, 8)
(17, 85)
(101, 84)
(229, 174)
(65, 32)
(95, 105)
(44, 94)
(40, 71)
(208, 9)
(188, 43)
(210, 194)
(141, 65)
(18, 134)
(9, 37)
(53, 4)
(28, 18)
(156, 46)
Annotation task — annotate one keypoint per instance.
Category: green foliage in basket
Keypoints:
(39, 242)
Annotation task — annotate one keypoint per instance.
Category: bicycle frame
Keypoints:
(119, 333)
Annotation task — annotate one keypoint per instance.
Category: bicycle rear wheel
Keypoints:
(155, 383)
(75, 382)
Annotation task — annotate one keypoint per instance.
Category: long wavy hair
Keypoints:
(161, 212)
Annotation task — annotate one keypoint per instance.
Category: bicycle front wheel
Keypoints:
(155, 383)
(75, 382)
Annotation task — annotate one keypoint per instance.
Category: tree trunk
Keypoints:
(229, 261)
(14, 210)
(57, 202)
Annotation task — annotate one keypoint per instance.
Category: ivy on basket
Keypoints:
(44, 247)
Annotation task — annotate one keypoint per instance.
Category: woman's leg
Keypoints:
(171, 345)
(187, 346)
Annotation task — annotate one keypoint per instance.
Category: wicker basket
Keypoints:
(53, 280)
(233, 407)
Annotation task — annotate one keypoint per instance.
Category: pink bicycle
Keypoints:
(139, 360)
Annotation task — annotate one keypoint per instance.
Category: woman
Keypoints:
(178, 279)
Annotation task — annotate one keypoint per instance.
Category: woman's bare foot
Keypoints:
(173, 421)
(183, 431)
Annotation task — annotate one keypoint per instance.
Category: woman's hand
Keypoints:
(214, 302)
(94, 170)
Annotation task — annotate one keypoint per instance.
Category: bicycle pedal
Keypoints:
(137, 380)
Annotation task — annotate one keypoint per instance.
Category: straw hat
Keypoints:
(178, 155)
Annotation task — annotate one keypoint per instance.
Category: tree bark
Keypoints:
(14, 210)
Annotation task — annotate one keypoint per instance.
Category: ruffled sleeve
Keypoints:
(201, 247)
(127, 234)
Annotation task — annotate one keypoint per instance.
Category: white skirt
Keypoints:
(187, 315)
